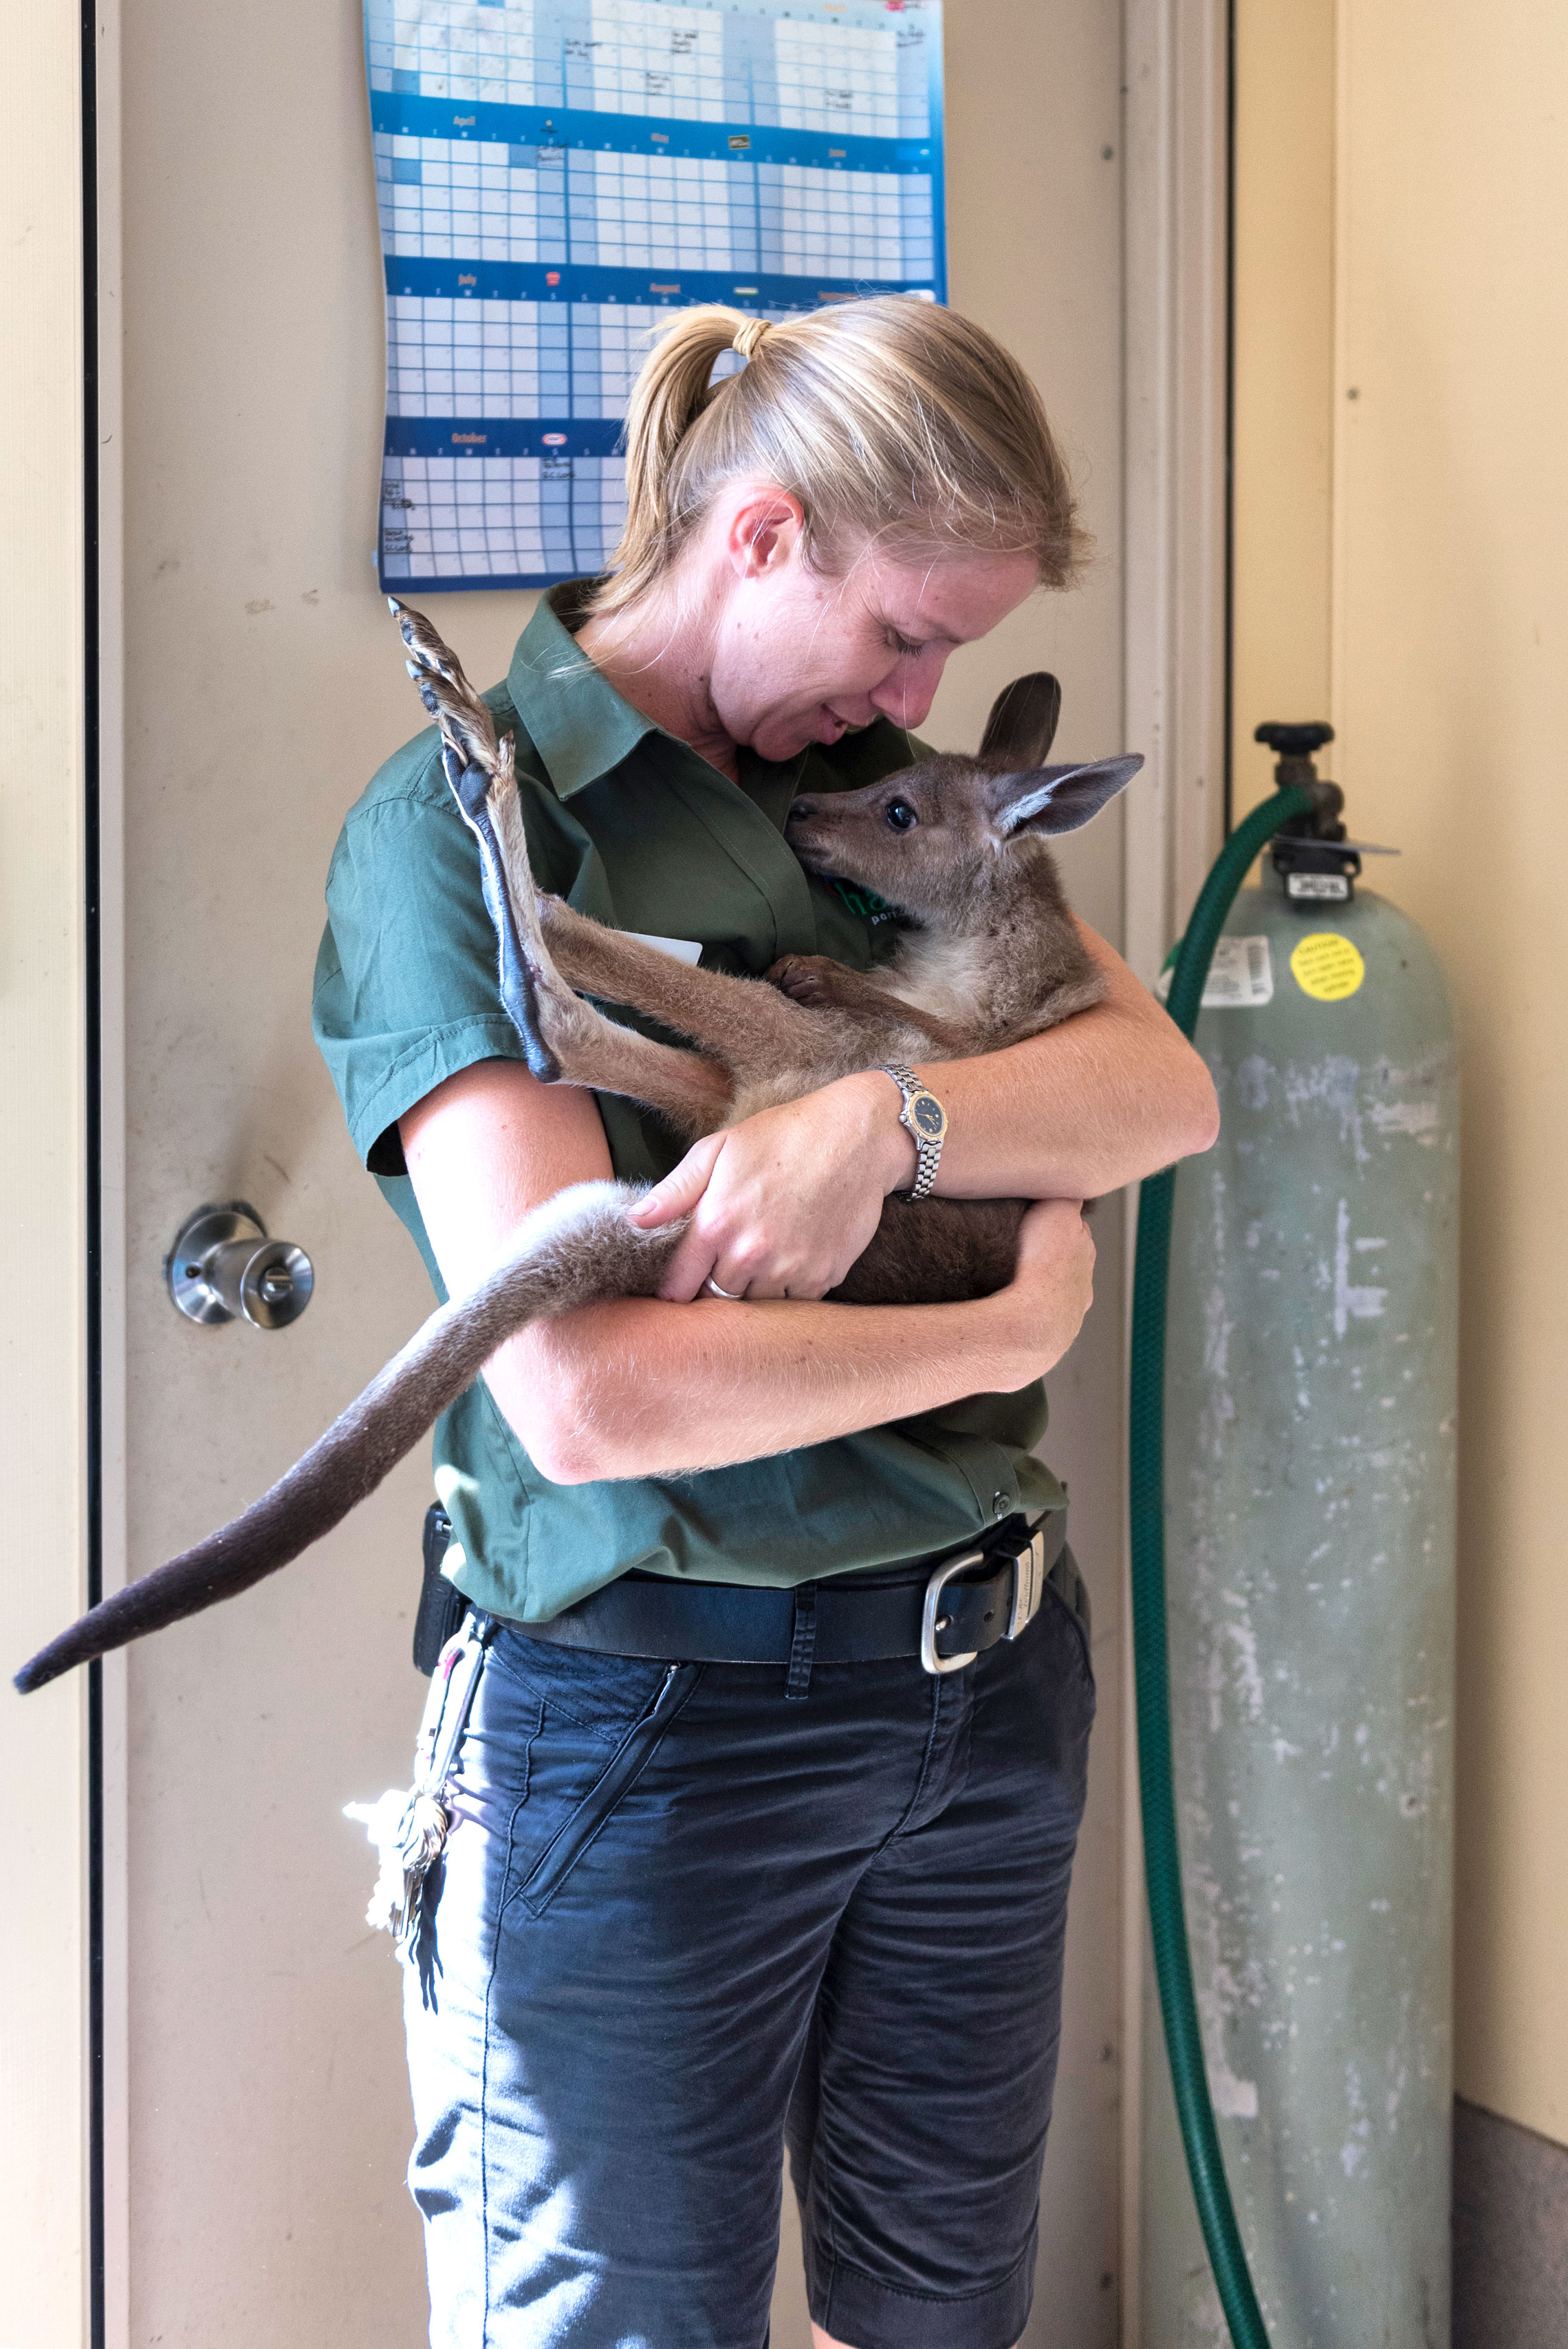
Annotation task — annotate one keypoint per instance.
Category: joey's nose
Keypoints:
(802, 808)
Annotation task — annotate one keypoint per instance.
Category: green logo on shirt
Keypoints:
(864, 902)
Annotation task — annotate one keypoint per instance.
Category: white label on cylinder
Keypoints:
(1241, 976)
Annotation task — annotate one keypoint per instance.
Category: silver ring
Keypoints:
(730, 1296)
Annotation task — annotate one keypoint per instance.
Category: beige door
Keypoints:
(257, 2153)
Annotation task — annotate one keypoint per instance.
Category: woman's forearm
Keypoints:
(643, 1387)
(639, 1388)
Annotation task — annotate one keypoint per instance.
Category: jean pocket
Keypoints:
(601, 1694)
(549, 1871)
(1075, 1611)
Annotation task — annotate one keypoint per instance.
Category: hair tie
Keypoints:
(746, 337)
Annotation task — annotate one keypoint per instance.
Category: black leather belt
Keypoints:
(945, 1611)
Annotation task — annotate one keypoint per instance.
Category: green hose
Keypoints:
(1146, 1448)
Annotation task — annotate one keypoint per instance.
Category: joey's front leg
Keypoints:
(830, 985)
(823, 985)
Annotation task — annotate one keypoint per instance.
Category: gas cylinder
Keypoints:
(1311, 1376)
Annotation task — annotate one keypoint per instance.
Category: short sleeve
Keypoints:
(406, 990)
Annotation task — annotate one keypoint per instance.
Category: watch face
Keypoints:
(928, 1115)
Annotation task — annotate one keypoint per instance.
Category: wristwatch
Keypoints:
(923, 1116)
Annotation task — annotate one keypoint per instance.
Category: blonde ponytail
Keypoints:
(670, 394)
(749, 334)
(894, 422)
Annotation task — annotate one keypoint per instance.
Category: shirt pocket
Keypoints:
(576, 1788)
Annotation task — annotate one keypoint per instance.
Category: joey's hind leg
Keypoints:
(743, 1022)
(563, 1038)
(578, 1044)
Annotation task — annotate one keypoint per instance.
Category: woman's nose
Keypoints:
(906, 693)
(906, 700)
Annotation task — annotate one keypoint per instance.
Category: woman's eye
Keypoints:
(903, 646)
(900, 816)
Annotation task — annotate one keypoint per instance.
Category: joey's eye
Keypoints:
(900, 816)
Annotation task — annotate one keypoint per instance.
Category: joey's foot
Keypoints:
(809, 978)
(537, 1003)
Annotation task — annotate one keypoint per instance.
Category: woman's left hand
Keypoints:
(783, 1204)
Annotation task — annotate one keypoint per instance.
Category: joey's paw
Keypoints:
(805, 979)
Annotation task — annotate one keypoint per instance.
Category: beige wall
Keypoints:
(1284, 417)
(1446, 681)
(43, 2056)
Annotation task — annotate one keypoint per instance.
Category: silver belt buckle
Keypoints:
(931, 1622)
(1028, 1584)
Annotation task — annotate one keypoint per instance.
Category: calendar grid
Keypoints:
(552, 175)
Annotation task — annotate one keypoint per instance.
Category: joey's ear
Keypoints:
(1056, 799)
(1022, 721)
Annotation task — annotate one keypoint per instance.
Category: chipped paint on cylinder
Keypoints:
(1311, 1378)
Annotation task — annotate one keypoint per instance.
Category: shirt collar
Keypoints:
(579, 724)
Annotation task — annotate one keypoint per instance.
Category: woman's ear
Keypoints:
(763, 529)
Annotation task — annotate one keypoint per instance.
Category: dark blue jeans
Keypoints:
(681, 1916)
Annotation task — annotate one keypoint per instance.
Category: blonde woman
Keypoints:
(729, 1864)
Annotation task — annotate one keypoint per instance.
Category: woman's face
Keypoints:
(799, 657)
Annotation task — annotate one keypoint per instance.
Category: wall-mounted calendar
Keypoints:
(553, 174)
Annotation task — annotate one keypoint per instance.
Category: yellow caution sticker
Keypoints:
(1327, 966)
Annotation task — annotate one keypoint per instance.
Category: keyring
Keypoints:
(730, 1296)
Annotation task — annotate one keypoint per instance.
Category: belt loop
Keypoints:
(803, 1645)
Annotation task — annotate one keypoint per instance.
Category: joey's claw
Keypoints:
(520, 998)
(805, 979)
(462, 716)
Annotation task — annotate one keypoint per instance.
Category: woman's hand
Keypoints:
(1041, 1310)
(783, 1204)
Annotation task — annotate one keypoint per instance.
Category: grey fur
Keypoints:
(991, 956)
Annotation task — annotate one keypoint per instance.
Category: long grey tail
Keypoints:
(577, 1250)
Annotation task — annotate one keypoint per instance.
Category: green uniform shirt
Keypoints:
(635, 829)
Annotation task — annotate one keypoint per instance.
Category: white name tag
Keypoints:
(683, 949)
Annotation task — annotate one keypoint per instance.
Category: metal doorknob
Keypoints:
(223, 1267)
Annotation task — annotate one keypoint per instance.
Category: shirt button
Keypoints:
(999, 1503)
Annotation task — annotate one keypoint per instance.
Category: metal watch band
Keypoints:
(927, 1147)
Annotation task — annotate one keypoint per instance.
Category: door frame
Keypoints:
(51, 1975)
(1177, 145)
(112, 2133)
